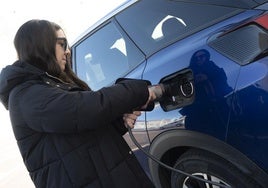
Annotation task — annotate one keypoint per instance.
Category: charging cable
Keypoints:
(169, 167)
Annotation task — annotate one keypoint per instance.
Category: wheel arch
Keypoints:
(183, 140)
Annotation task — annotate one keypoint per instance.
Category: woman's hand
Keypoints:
(152, 97)
(130, 119)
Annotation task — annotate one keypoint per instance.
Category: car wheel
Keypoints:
(209, 167)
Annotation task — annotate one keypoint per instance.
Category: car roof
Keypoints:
(115, 11)
(244, 4)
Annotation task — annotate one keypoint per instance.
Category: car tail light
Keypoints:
(263, 21)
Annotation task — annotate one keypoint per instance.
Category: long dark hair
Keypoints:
(35, 44)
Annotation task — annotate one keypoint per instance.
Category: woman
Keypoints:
(68, 135)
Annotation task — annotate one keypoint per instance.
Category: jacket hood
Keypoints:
(14, 75)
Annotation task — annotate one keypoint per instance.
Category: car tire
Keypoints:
(209, 167)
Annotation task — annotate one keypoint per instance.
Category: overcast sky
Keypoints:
(74, 16)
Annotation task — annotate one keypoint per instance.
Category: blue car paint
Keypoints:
(177, 57)
(248, 127)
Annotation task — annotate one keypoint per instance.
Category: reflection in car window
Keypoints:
(105, 56)
(152, 27)
(159, 31)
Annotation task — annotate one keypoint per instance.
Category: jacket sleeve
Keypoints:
(119, 126)
(51, 109)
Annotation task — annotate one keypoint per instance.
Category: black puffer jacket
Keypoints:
(69, 137)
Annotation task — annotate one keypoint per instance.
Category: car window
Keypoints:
(105, 56)
(154, 27)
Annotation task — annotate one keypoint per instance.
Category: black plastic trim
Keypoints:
(190, 139)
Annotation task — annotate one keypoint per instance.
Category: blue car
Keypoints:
(212, 58)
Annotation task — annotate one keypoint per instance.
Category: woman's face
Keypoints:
(62, 49)
(200, 57)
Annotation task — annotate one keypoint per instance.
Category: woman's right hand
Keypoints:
(151, 98)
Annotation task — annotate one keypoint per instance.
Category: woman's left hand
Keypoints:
(130, 119)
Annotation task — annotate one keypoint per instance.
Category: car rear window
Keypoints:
(153, 24)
